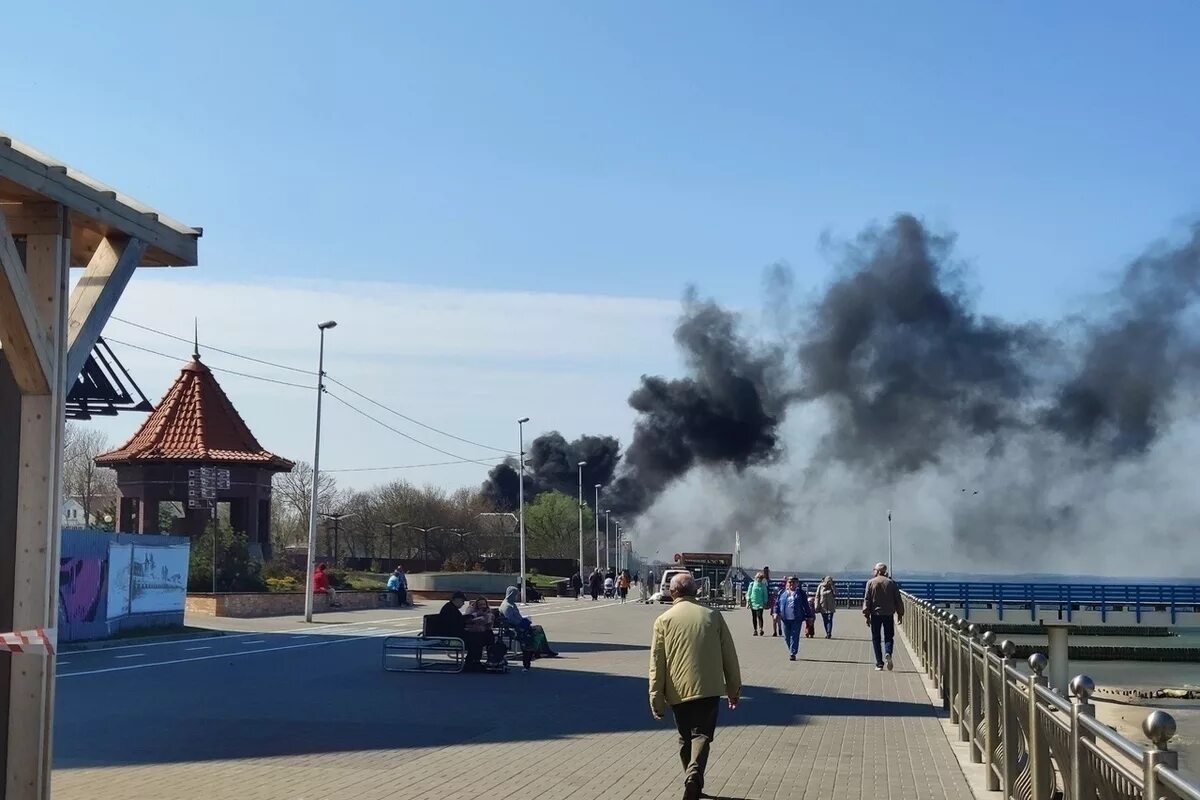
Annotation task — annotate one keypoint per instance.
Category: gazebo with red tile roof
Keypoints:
(195, 425)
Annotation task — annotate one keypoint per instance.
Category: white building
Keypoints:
(72, 514)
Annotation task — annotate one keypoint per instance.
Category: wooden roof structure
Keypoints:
(195, 423)
(52, 218)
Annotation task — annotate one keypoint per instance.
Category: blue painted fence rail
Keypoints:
(1032, 597)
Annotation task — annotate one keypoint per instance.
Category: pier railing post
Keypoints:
(963, 688)
(1159, 727)
(976, 698)
(1039, 748)
(1082, 784)
(952, 687)
(1008, 722)
(991, 711)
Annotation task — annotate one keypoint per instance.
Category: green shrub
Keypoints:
(286, 584)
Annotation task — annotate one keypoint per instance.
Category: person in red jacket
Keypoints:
(321, 585)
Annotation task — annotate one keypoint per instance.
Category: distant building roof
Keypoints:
(195, 423)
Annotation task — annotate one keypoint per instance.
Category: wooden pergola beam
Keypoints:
(56, 182)
(22, 333)
(95, 296)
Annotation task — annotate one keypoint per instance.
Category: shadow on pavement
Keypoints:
(327, 693)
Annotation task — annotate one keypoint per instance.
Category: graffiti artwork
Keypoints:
(80, 590)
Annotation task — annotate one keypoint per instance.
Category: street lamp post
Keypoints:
(391, 527)
(596, 508)
(426, 532)
(582, 464)
(607, 541)
(521, 501)
(336, 519)
(891, 566)
(312, 511)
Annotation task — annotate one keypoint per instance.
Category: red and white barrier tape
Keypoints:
(38, 641)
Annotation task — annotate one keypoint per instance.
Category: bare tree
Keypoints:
(93, 486)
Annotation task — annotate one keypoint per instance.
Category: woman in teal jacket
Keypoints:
(756, 599)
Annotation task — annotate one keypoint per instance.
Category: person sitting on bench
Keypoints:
(513, 616)
(322, 585)
(451, 622)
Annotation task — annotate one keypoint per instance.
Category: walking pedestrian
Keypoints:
(692, 663)
(756, 600)
(792, 610)
(772, 596)
(881, 602)
(577, 585)
(623, 585)
(595, 582)
(827, 603)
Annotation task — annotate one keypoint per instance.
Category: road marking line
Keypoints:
(256, 641)
(197, 648)
(332, 640)
(63, 663)
(131, 655)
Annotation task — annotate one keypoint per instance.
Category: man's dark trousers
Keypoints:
(696, 721)
(887, 626)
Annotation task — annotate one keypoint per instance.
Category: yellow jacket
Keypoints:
(691, 656)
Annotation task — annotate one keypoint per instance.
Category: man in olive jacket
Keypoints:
(692, 663)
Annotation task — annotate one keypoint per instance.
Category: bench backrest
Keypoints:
(434, 625)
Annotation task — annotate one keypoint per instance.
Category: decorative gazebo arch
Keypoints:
(52, 218)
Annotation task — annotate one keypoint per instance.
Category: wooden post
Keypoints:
(39, 478)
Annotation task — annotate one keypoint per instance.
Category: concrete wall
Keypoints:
(276, 604)
(471, 583)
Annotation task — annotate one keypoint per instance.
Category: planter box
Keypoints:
(276, 604)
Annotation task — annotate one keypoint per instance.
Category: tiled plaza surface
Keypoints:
(278, 711)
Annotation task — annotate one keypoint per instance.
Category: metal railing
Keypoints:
(1033, 743)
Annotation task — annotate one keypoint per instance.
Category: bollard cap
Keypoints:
(1083, 687)
(1159, 727)
(1007, 647)
(988, 638)
(1038, 663)
(973, 630)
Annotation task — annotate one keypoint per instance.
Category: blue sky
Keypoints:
(624, 149)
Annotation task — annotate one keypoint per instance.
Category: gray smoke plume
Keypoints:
(995, 440)
(553, 466)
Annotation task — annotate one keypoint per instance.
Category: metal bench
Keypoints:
(416, 651)
(414, 648)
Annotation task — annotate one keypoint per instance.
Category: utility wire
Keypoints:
(415, 421)
(399, 432)
(408, 466)
(309, 372)
(214, 369)
(214, 349)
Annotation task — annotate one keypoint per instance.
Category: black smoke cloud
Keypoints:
(907, 372)
(725, 413)
(554, 466)
(1134, 360)
(903, 361)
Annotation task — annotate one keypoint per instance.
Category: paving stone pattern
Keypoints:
(579, 728)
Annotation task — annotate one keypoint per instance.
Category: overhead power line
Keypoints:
(328, 378)
(416, 421)
(185, 340)
(410, 466)
(484, 462)
(177, 359)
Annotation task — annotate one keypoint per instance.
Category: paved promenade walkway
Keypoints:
(279, 715)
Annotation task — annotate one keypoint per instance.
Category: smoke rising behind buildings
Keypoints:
(890, 390)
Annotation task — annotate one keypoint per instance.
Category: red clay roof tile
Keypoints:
(195, 423)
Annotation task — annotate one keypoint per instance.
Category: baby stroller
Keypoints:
(610, 588)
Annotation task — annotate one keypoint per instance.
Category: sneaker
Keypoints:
(888, 661)
(791, 658)
(879, 667)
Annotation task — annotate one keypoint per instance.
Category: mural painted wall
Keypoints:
(159, 579)
(120, 579)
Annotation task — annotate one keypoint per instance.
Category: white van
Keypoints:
(663, 595)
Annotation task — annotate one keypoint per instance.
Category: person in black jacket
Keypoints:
(595, 583)
(451, 622)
